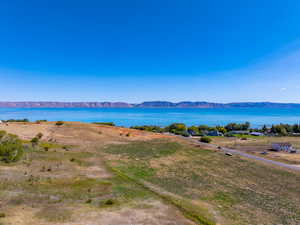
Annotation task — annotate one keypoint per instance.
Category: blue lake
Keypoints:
(157, 116)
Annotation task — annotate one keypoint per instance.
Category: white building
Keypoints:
(256, 134)
(287, 147)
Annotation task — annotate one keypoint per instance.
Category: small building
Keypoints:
(256, 134)
(214, 133)
(284, 146)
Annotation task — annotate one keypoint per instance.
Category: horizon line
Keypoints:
(150, 101)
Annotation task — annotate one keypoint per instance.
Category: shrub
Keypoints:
(39, 135)
(11, 148)
(59, 123)
(34, 141)
(109, 202)
(205, 139)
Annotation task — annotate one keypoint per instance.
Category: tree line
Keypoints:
(227, 130)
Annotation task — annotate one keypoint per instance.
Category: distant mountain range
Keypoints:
(152, 104)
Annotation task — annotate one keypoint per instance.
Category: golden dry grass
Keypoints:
(70, 183)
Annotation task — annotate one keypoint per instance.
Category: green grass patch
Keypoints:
(144, 150)
(140, 171)
(49, 145)
(224, 198)
(238, 188)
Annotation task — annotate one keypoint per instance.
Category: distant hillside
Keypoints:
(65, 105)
(152, 104)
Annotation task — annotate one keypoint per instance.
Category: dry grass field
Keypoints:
(70, 183)
(87, 174)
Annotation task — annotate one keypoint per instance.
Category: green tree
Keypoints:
(264, 129)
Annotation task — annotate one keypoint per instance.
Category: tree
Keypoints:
(245, 126)
(176, 127)
(193, 130)
(221, 129)
(264, 129)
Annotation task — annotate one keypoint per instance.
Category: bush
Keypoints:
(34, 141)
(39, 135)
(11, 148)
(205, 139)
(59, 123)
(109, 202)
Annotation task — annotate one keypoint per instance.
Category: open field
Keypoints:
(70, 183)
(256, 145)
(94, 174)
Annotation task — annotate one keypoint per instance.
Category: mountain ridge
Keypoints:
(147, 104)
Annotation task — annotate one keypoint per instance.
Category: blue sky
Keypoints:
(133, 51)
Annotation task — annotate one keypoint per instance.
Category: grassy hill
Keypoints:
(82, 174)
(226, 190)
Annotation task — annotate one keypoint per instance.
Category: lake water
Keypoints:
(157, 116)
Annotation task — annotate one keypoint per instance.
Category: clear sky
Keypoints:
(136, 50)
